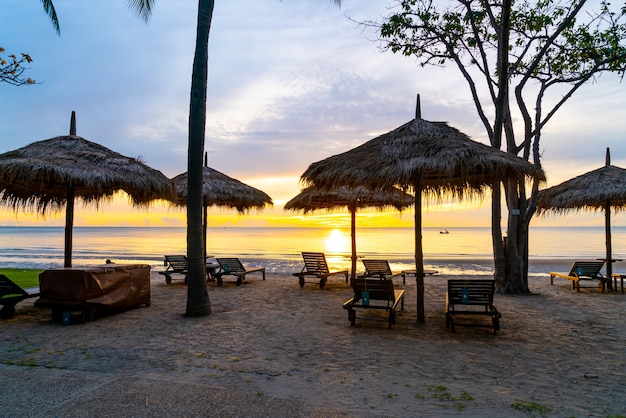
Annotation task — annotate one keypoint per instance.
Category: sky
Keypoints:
(290, 82)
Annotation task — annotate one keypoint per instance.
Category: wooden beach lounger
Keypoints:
(11, 294)
(376, 268)
(315, 265)
(233, 267)
(583, 270)
(176, 264)
(382, 296)
(471, 298)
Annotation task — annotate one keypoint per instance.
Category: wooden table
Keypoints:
(414, 273)
(621, 279)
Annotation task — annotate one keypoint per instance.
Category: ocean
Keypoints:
(463, 251)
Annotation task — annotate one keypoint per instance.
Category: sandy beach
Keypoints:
(271, 348)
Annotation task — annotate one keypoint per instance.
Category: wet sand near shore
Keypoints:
(273, 348)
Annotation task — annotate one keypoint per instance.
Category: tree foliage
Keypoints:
(12, 69)
(551, 43)
(553, 48)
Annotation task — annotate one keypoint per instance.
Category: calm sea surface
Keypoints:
(464, 251)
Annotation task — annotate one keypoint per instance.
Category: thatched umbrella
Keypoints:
(600, 189)
(426, 157)
(218, 189)
(50, 174)
(313, 198)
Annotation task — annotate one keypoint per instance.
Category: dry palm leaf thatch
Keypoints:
(600, 189)
(218, 189)
(443, 158)
(313, 198)
(588, 192)
(50, 174)
(429, 158)
(38, 175)
(353, 198)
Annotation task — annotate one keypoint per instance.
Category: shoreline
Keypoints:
(273, 343)
(449, 266)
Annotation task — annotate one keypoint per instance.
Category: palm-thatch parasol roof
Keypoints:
(218, 189)
(221, 190)
(600, 189)
(313, 198)
(445, 160)
(426, 157)
(48, 175)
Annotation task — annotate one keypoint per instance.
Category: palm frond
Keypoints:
(143, 8)
(48, 7)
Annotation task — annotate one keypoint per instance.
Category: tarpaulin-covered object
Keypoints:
(109, 289)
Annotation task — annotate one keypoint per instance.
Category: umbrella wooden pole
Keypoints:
(205, 210)
(205, 225)
(607, 229)
(69, 224)
(609, 250)
(353, 235)
(419, 254)
(69, 208)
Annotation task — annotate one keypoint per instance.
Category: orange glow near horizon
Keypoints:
(119, 212)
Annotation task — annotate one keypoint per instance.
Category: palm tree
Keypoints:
(198, 303)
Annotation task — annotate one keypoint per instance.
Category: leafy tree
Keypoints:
(198, 303)
(11, 69)
(543, 50)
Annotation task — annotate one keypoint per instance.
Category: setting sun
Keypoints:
(337, 242)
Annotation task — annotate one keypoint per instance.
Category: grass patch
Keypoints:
(24, 278)
(445, 399)
(531, 408)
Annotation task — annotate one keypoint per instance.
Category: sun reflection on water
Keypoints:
(337, 242)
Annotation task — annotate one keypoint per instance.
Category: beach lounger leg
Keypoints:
(7, 311)
(352, 317)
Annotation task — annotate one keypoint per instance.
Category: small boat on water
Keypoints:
(444, 231)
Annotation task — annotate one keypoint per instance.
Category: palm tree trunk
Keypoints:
(198, 303)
